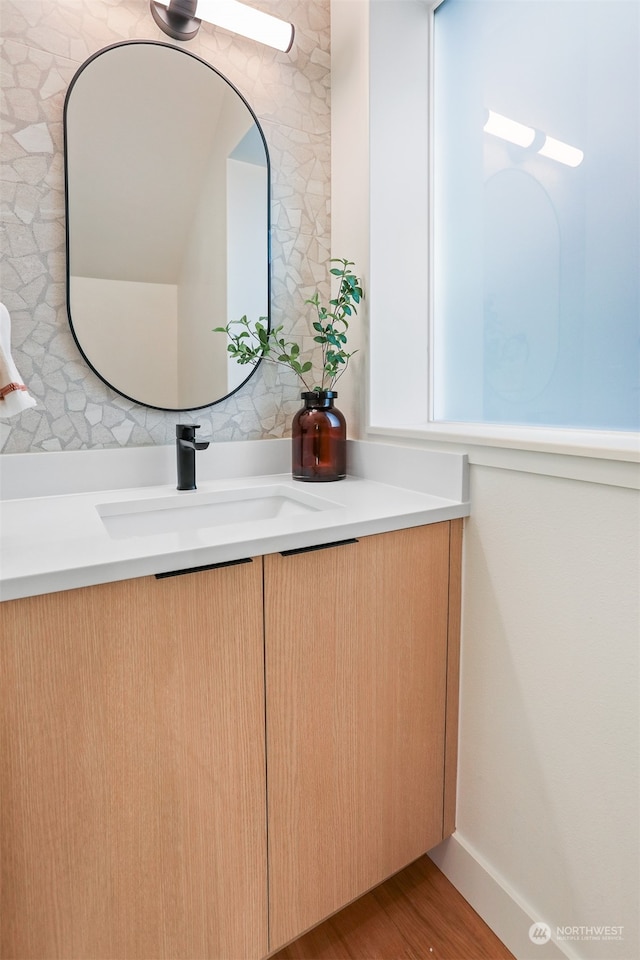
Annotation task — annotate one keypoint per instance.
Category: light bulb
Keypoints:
(510, 130)
(562, 152)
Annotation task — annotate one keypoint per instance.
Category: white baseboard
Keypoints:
(491, 898)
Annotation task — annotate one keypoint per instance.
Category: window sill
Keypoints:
(594, 456)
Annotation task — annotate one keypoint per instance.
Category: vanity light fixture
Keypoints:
(528, 137)
(181, 19)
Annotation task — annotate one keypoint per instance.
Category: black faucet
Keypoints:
(186, 447)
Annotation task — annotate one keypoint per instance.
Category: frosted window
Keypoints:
(537, 213)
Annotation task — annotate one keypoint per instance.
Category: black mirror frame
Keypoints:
(81, 68)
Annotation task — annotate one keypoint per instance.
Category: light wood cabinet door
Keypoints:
(133, 771)
(356, 680)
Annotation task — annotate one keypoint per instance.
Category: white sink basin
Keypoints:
(192, 510)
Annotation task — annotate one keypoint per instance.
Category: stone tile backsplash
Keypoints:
(43, 44)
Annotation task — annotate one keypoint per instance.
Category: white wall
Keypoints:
(202, 287)
(350, 183)
(122, 322)
(548, 772)
(247, 254)
(399, 241)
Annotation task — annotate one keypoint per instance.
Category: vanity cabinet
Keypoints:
(358, 687)
(133, 770)
(138, 783)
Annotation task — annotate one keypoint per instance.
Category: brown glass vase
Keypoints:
(319, 439)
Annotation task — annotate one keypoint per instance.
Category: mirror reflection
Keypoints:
(167, 178)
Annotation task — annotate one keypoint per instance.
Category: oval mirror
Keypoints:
(167, 194)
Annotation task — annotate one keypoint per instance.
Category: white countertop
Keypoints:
(58, 541)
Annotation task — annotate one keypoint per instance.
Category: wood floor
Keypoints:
(416, 915)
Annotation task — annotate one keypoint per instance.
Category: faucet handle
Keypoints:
(186, 431)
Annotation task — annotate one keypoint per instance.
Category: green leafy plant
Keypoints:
(249, 343)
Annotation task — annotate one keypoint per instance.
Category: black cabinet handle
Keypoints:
(319, 546)
(206, 566)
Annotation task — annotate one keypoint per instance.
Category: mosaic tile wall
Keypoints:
(43, 43)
